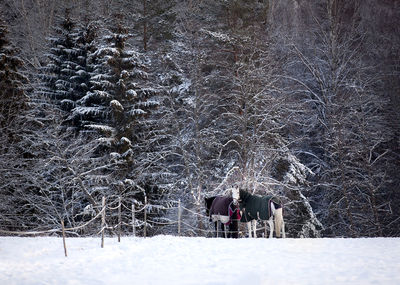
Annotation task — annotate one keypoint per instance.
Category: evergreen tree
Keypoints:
(86, 40)
(66, 175)
(13, 98)
(118, 107)
(120, 95)
(13, 115)
(156, 21)
(65, 77)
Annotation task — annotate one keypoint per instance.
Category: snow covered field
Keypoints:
(183, 260)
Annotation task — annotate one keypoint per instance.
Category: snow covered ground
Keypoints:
(184, 260)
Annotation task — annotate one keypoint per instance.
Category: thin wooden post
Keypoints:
(145, 217)
(133, 220)
(179, 217)
(103, 219)
(63, 234)
(119, 219)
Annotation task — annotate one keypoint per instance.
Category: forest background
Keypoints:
(166, 100)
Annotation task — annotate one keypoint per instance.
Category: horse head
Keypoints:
(234, 218)
(235, 194)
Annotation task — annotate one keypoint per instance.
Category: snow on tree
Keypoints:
(294, 98)
(343, 129)
(118, 106)
(66, 77)
(64, 61)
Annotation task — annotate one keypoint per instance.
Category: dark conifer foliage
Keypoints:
(65, 60)
(13, 115)
(120, 95)
(13, 98)
(117, 109)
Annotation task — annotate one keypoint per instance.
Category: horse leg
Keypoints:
(216, 228)
(279, 224)
(249, 228)
(265, 229)
(230, 230)
(254, 223)
(271, 227)
(223, 229)
(283, 230)
(234, 229)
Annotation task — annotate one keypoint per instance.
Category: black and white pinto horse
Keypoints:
(266, 208)
(224, 210)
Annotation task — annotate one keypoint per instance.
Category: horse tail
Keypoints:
(278, 221)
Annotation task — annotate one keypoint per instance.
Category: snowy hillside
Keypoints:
(182, 260)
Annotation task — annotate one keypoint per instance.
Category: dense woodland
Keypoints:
(168, 100)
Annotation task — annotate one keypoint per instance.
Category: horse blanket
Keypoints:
(255, 206)
(224, 206)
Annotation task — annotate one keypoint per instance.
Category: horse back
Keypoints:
(256, 207)
(220, 206)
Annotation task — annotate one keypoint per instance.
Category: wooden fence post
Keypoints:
(179, 217)
(119, 219)
(103, 219)
(133, 220)
(63, 234)
(145, 217)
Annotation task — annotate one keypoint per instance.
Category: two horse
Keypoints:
(252, 208)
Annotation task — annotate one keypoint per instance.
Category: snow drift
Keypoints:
(184, 260)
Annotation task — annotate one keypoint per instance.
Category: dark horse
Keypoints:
(266, 208)
(225, 210)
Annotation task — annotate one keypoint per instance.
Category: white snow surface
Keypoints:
(197, 260)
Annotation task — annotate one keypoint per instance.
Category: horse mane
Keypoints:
(244, 195)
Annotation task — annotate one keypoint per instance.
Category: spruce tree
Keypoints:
(12, 83)
(86, 41)
(65, 76)
(13, 105)
(65, 174)
(118, 108)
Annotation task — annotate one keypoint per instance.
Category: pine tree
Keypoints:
(155, 21)
(118, 108)
(64, 173)
(120, 95)
(65, 78)
(13, 107)
(13, 98)
(86, 40)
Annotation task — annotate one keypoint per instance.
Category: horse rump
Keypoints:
(207, 203)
